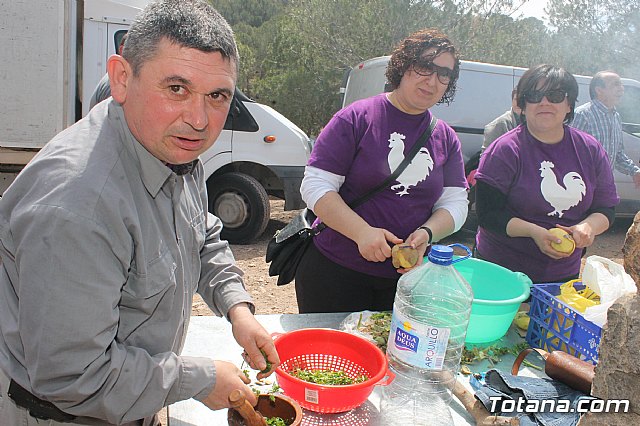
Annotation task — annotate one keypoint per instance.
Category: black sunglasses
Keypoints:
(426, 69)
(554, 96)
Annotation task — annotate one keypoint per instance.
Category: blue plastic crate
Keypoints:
(555, 325)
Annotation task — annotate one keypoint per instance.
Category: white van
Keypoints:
(483, 93)
(58, 55)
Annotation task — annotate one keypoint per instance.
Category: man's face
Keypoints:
(612, 91)
(177, 105)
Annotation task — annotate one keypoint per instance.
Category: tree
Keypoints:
(294, 53)
(598, 34)
(250, 12)
(317, 40)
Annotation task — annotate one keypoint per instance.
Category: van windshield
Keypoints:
(629, 110)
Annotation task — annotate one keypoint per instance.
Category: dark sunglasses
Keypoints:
(426, 69)
(554, 96)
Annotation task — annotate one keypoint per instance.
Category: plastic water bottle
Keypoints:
(428, 328)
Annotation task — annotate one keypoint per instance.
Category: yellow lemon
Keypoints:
(522, 320)
(566, 245)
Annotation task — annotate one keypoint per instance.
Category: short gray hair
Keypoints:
(598, 81)
(189, 23)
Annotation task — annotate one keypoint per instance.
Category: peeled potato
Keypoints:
(404, 256)
(567, 245)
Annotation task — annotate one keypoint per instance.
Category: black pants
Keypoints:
(324, 286)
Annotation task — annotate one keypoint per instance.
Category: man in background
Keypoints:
(103, 89)
(492, 131)
(600, 119)
(502, 124)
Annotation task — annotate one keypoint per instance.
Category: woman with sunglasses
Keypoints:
(348, 267)
(540, 175)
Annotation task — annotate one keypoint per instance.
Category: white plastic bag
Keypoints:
(610, 281)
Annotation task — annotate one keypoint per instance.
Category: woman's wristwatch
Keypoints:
(426, 228)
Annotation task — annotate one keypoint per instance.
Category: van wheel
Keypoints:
(242, 205)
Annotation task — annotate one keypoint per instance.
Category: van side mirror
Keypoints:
(239, 118)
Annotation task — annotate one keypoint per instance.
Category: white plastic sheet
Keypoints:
(610, 281)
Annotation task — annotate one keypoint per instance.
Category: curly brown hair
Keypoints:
(411, 50)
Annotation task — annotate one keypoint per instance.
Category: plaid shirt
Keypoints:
(606, 126)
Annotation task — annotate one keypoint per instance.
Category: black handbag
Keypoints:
(288, 245)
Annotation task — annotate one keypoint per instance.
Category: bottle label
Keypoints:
(417, 344)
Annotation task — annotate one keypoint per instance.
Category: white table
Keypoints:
(211, 337)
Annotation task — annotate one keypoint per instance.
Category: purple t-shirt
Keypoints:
(546, 185)
(365, 142)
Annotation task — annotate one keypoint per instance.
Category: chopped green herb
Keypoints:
(275, 388)
(493, 353)
(377, 326)
(326, 377)
(275, 421)
(379, 323)
(268, 367)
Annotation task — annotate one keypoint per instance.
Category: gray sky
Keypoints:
(534, 8)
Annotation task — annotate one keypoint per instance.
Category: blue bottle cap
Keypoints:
(441, 255)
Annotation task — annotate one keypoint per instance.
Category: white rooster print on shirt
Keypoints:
(561, 198)
(416, 171)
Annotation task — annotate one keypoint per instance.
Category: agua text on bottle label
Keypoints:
(417, 344)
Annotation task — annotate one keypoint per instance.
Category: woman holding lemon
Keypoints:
(545, 189)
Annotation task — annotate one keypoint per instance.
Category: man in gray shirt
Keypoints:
(105, 238)
(502, 124)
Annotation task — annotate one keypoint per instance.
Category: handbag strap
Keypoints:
(393, 176)
(398, 171)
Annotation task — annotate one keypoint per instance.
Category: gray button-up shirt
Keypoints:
(103, 248)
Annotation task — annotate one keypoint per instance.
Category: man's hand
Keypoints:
(636, 180)
(254, 339)
(228, 378)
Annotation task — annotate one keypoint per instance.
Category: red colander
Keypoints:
(327, 349)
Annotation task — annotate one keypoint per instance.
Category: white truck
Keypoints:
(483, 93)
(57, 52)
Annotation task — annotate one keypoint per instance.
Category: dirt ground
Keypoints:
(268, 297)
(272, 299)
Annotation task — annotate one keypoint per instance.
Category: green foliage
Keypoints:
(598, 34)
(250, 12)
(294, 53)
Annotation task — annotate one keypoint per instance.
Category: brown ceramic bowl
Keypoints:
(283, 407)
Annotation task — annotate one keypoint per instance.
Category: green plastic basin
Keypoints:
(497, 295)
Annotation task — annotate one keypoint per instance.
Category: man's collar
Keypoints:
(183, 169)
(153, 172)
(516, 116)
(600, 105)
